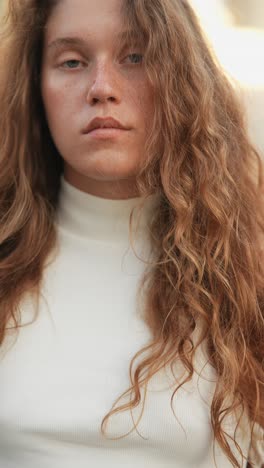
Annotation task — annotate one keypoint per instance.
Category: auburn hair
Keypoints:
(207, 230)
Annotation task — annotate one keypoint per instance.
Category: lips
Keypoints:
(107, 122)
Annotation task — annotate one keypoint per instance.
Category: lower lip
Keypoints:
(106, 133)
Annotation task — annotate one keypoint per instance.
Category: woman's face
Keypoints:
(86, 74)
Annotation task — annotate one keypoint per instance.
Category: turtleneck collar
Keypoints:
(92, 217)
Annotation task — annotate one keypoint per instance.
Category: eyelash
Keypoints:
(79, 61)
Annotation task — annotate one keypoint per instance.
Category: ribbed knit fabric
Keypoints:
(63, 372)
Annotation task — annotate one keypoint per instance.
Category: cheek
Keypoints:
(55, 107)
(50, 97)
(48, 87)
(146, 104)
(57, 98)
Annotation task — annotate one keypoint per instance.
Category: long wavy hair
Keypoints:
(209, 225)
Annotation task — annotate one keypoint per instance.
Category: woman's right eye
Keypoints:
(71, 63)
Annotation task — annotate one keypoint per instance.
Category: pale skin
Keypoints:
(97, 78)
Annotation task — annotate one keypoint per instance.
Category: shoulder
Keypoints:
(256, 449)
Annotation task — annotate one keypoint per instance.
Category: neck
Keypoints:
(88, 216)
(113, 189)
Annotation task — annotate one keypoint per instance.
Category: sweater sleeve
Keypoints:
(256, 449)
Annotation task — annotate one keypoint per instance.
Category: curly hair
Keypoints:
(207, 232)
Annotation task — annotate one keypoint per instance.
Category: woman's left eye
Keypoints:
(135, 56)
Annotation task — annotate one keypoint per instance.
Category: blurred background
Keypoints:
(235, 30)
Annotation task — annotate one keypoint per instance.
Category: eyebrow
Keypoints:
(81, 42)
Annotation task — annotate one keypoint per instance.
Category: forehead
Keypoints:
(88, 17)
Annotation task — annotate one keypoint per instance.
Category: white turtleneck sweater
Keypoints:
(63, 372)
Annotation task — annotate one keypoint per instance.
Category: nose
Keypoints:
(105, 85)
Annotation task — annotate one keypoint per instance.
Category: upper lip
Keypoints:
(106, 122)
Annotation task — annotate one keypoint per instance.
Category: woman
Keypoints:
(107, 108)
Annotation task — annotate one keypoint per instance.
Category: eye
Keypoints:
(135, 58)
(71, 63)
